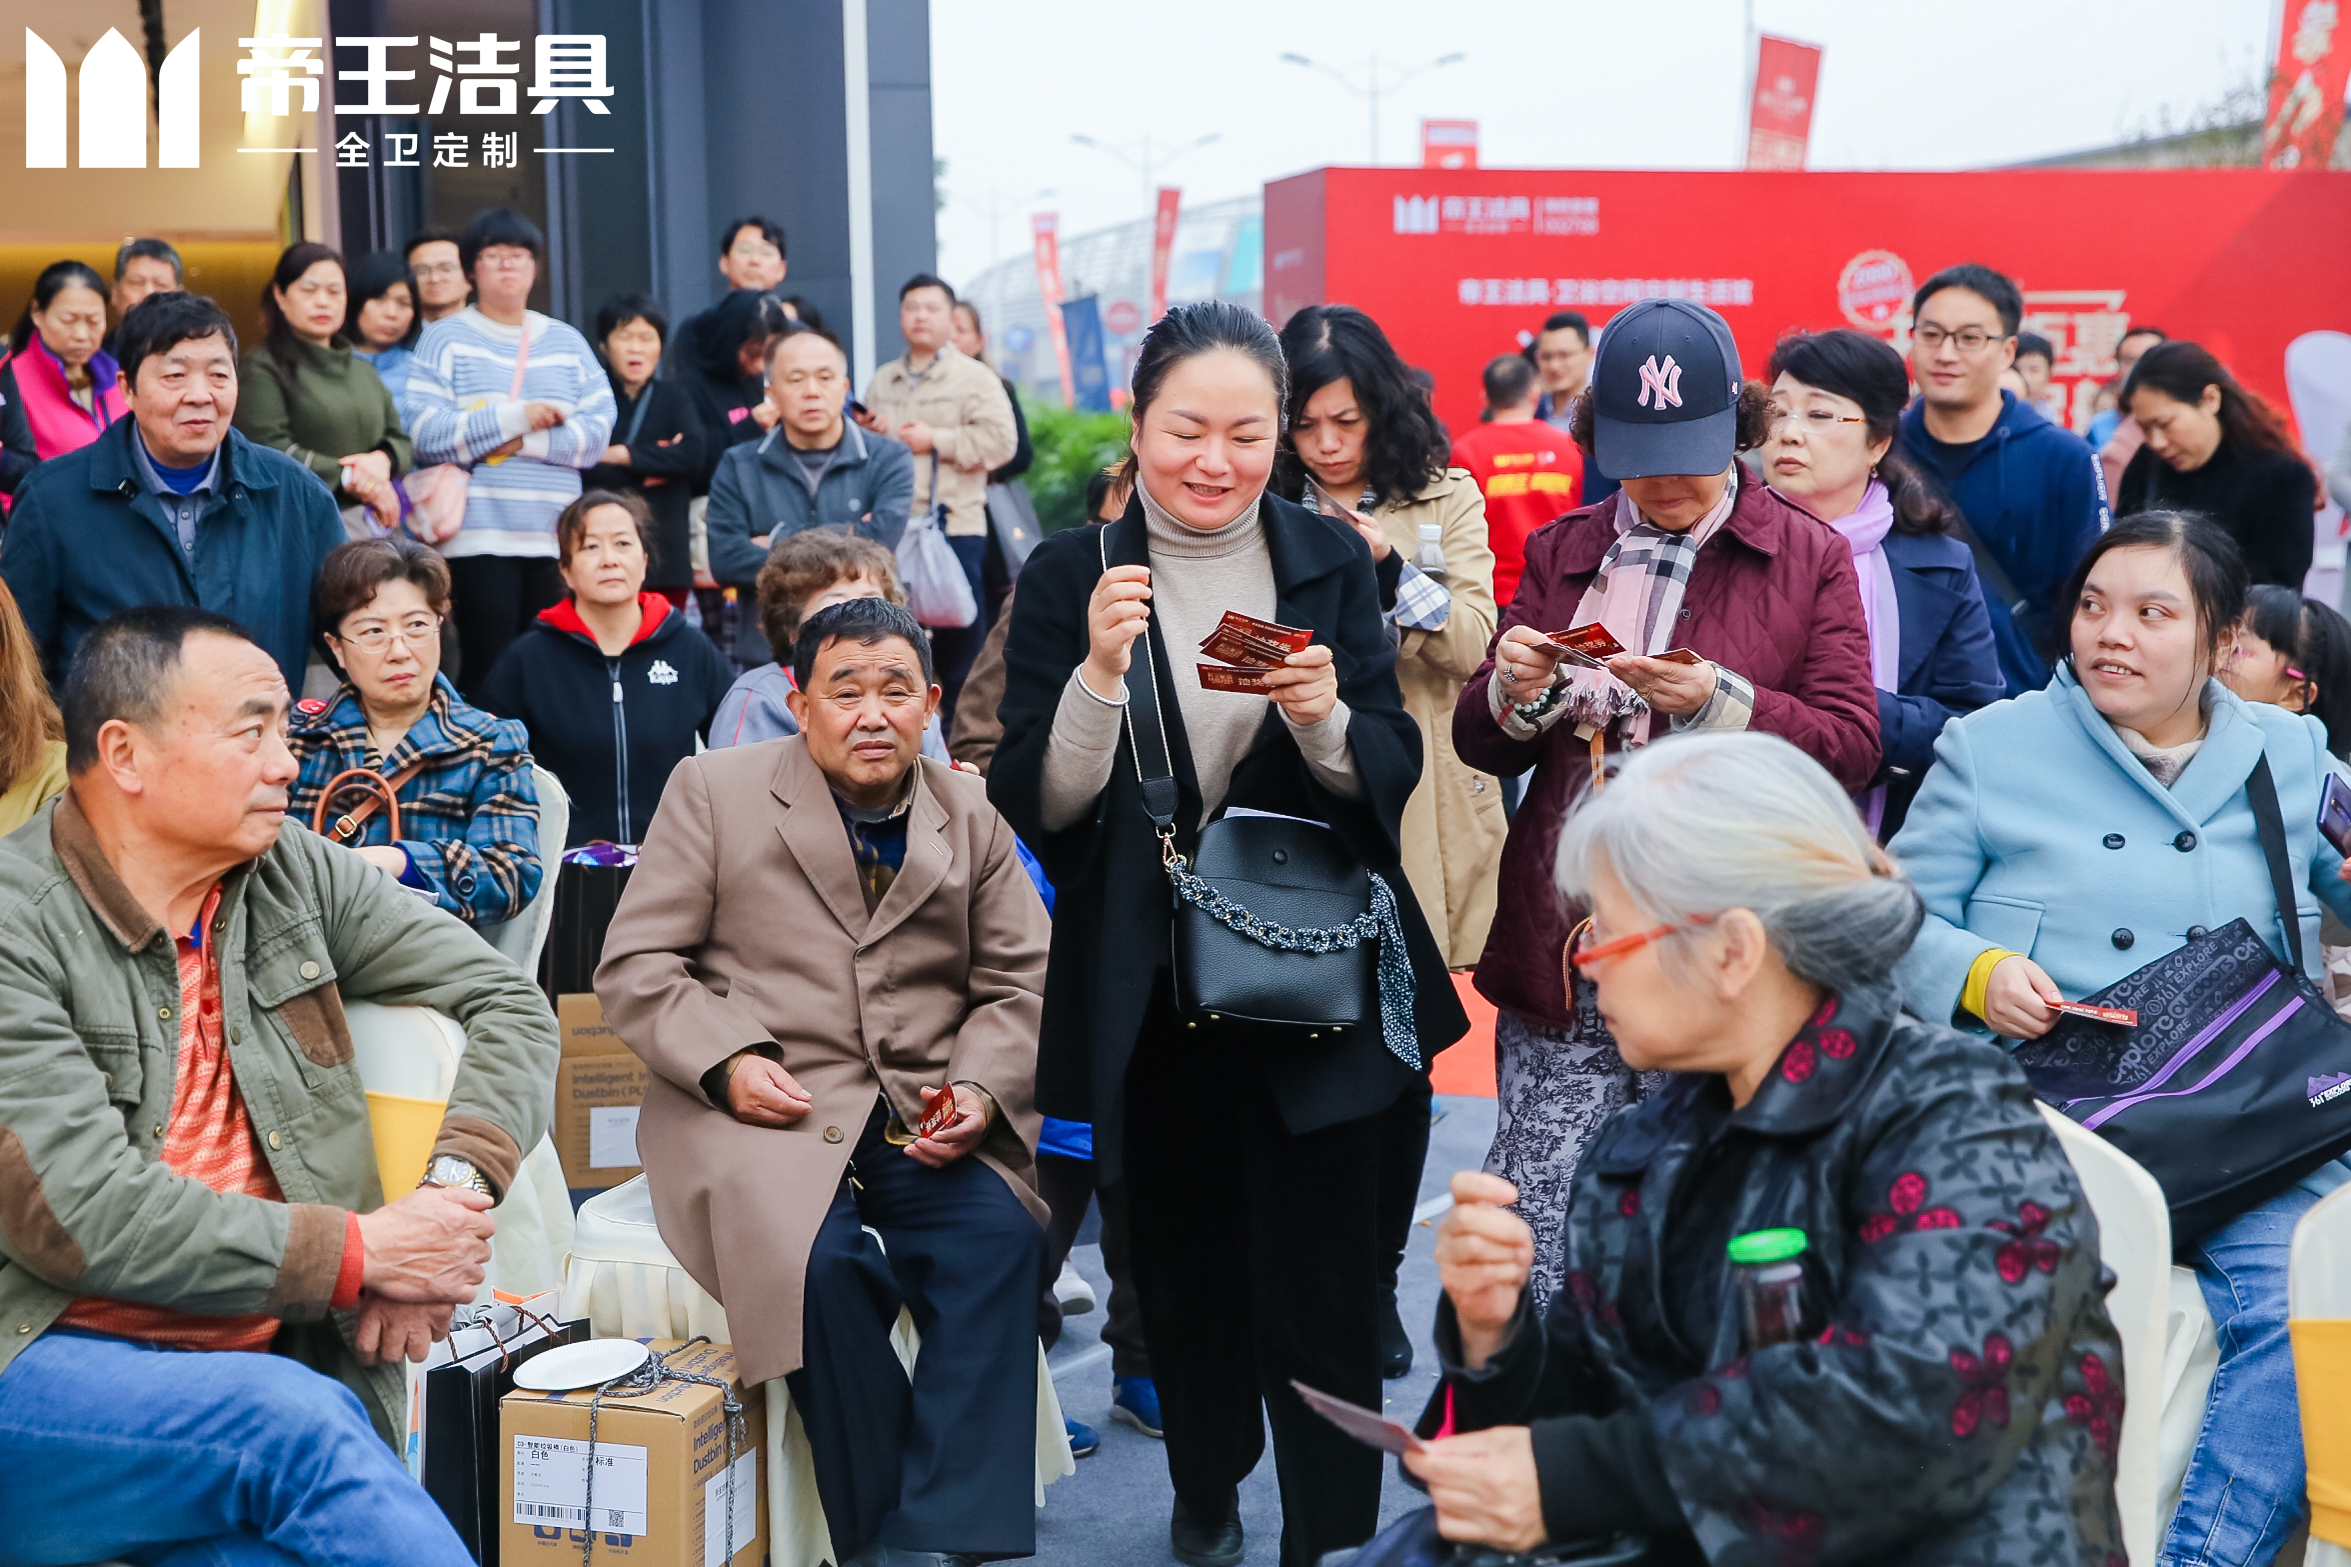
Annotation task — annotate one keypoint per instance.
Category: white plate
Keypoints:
(580, 1365)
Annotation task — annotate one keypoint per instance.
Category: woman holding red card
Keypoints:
(1692, 557)
(1224, 1129)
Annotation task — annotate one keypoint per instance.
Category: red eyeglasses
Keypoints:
(1581, 954)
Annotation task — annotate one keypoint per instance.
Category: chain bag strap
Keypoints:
(1218, 978)
(383, 794)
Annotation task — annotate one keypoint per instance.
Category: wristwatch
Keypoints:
(449, 1170)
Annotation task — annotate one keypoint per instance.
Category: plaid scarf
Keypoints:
(1637, 595)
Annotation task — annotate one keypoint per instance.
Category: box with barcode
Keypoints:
(599, 1085)
(661, 1472)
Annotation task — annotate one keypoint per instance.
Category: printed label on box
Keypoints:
(612, 1137)
(551, 1484)
(714, 1510)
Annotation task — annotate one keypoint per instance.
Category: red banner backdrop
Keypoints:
(1163, 227)
(2306, 90)
(1045, 232)
(1779, 124)
(1456, 265)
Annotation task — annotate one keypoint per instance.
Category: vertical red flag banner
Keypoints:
(1448, 144)
(1046, 227)
(1779, 123)
(1163, 227)
(2306, 90)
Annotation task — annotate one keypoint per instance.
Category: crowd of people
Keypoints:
(1907, 712)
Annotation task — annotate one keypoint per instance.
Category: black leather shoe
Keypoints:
(1395, 1344)
(1206, 1544)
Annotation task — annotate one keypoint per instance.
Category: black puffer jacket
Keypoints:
(1963, 1400)
(611, 728)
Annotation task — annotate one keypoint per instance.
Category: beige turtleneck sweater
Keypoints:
(1195, 578)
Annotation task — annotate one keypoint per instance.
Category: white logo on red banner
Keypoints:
(1665, 380)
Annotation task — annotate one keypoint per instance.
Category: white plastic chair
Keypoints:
(2134, 1239)
(626, 1283)
(521, 937)
(2318, 1301)
(407, 1059)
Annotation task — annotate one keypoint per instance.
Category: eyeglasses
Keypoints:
(1583, 952)
(416, 631)
(439, 269)
(1821, 419)
(1968, 340)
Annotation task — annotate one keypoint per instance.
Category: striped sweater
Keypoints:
(459, 409)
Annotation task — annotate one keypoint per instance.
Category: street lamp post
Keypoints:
(1143, 159)
(1372, 88)
(994, 208)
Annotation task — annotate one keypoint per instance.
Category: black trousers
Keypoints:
(492, 600)
(949, 1462)
(1067, 1185)
(1258, 1255)
(954, 647)
(1405, 1130)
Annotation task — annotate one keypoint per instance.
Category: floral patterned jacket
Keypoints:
(1963, 1402)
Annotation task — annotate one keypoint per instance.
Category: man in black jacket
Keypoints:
(813, 470)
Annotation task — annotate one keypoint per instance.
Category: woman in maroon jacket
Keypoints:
(1736, 609)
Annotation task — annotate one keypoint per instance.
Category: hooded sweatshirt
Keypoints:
(611, 728)
(2035, 495)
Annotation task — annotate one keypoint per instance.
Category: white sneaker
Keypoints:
(1072, 1293)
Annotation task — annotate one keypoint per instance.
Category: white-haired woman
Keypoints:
(1951, 1385)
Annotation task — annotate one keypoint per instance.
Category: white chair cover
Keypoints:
(521, 937)
(626, 1283)
(2134, 1239)
(412, 1053)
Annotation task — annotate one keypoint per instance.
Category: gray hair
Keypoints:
(125, 669)
(1703, 823)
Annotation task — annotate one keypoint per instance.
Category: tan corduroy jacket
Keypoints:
(1453, 824)
(964, 403)
(744, 928)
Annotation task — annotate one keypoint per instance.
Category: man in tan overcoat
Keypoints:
(827, 936)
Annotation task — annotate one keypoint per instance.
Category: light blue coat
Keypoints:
(2008, 842)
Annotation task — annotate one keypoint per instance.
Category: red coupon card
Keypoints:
(938, 1113)
(1677, 655)
(1234, 646)
(2123, 1015)
(1223, 677)
(1593, 644)
(1290, 639)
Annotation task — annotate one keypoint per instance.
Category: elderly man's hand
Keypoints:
(1484, 1253)
(391, 1331)
(1485, 1487)
(762, 1093)
(430, 1247)
(959, 1136)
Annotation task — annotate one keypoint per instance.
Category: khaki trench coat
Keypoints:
(743, 928)
(1453, 824)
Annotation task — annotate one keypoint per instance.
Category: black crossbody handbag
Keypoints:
(2236, 1082)
(1276, 920)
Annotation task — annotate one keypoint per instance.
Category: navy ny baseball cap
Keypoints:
(1665, 391)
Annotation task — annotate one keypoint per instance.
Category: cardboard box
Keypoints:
(598, 1088)
(661, 1472)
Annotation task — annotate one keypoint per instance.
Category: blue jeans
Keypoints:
(163, 1458)
(2244, 1489)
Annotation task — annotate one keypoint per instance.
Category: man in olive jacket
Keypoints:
(186, 1167)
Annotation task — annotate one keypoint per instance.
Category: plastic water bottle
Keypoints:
(1770, 1268)
(1431, 559)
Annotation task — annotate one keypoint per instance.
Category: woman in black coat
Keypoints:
(656, 449)
(1226, 1132)
(2215, 448)
(727, 378)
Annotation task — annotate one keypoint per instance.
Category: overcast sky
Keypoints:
(1552, 83)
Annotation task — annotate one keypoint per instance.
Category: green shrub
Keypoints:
(1071, 447)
